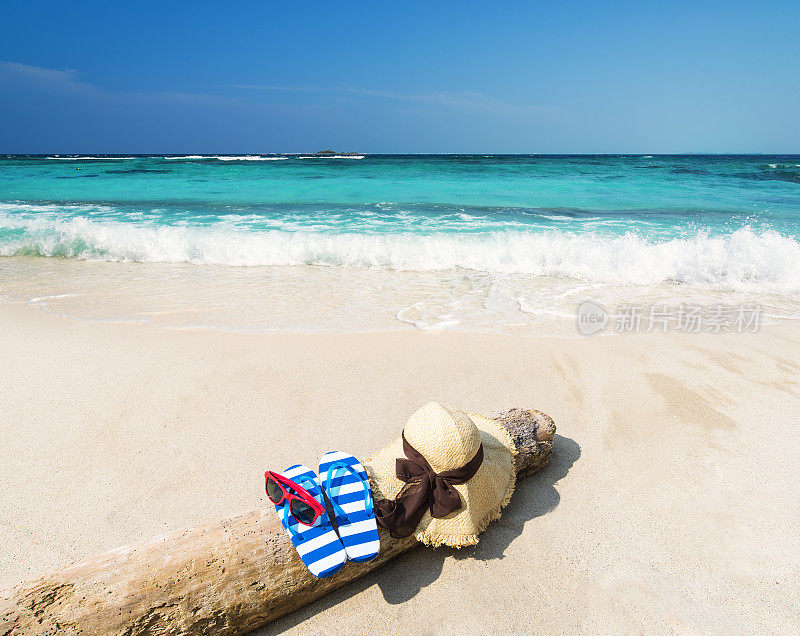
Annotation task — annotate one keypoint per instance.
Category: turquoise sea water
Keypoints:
(711, 223)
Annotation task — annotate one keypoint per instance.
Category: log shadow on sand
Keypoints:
(402, 578)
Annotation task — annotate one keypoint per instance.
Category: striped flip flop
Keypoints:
(318, 546)
(347, 487)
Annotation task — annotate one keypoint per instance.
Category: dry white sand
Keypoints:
(672, 502)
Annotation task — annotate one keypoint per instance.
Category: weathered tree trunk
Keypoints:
(224, 577)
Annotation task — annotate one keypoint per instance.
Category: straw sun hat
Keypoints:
(449, 440)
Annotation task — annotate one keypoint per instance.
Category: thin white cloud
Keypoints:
(67, 82)
(38, 73)
(48, 78)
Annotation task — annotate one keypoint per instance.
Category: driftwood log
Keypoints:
(225, 577)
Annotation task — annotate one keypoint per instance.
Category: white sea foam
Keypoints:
(58, 158)
(471, 217)
(40, 299)
(51, 208)
(248, 158)
(229, 158)
(558, 217)
(743, 260)
(413, 315)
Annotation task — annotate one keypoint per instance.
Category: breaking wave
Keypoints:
(224, 158)
(89, 158)
(247, 158)
(184, 157)
(745, 259)
(331, 157)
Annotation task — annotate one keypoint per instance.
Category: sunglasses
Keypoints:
(304, 508)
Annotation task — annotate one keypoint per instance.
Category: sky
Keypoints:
(399, 77)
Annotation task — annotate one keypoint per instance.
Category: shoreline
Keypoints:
(311, 299)
(403, 327)
(670, 501)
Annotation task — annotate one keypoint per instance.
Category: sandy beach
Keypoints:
(671, 502)
(241, 243)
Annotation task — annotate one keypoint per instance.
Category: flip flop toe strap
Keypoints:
(342, 516)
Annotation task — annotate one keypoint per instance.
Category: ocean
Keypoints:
(506, 243)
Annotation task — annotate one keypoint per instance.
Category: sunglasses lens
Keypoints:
(274, 491)
(303, 512)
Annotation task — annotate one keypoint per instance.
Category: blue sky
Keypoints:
(463, 76)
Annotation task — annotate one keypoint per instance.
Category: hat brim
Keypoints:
(483, 496)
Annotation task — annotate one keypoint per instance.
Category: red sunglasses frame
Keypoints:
(302, 495)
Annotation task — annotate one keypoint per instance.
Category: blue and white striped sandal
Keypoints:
(347, 486)
(318, 546)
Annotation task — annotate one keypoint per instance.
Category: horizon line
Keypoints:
(492, 154)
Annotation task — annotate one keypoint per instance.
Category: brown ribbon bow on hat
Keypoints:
(424, 490)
